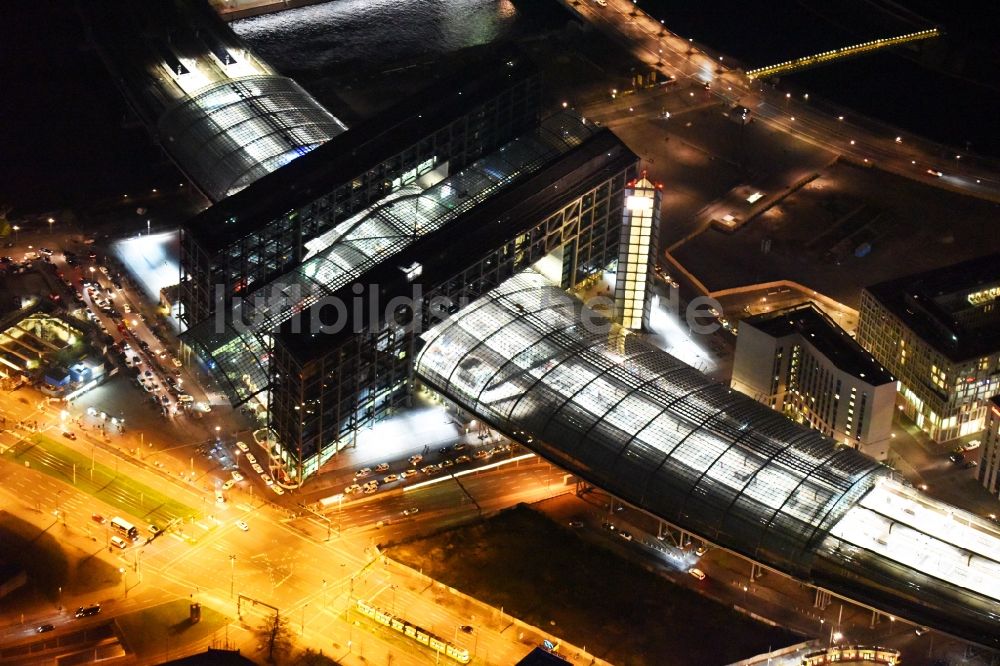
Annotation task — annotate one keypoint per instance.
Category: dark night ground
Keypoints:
(541, 571)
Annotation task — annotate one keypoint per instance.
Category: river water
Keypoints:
(898, 89)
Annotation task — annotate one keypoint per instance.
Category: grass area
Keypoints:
(47, 563)
(541, 572)
(167, 627)
(46, 455)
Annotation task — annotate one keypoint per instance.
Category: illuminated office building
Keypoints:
(555, 195)
(938, 333)
(289, 216)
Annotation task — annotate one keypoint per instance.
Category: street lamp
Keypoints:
(16, 229)
(51, 221)
(232, 575)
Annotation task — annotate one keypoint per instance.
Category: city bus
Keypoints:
(125, 528)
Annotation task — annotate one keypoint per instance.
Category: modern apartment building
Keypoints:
(989, 466)
(800, 362)
(938, 333)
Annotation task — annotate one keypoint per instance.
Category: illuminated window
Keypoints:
(939, 377)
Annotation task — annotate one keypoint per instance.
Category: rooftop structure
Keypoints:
(537, 365)
(237, 345)
(369, 144)
(348, 360)
(800, 362)
(221, 113)
(938, 332)
(951, 308)
(254, 236)
(825, 335)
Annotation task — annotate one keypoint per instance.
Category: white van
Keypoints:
(119, 542)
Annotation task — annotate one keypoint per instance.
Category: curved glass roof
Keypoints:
(642, 424)
(535, 363)
(232, 132)
(364, 241)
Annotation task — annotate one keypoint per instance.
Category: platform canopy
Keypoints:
(601, 402)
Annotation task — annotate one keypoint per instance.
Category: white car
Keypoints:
(382, 467)
(370, 489)
(351, 489)
(414, 459)
(219, 497)
(278, 490)
(242, 447)
(601, 3)
(252, 458)
(697, 573)
(257, 468)
(363, 472)
(410, 511)
(267, 479)
(242, 524)
(228, 484)
(237, 477)
(390, 478)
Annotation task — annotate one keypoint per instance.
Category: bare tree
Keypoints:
(278, 635)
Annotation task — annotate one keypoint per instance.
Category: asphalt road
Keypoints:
(852, 138)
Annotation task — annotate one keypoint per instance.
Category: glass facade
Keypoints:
(237, 348)
(640, 236)
(642, 424)
(538, 365)
(322, 391)
(234, 131)
(253, 237)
